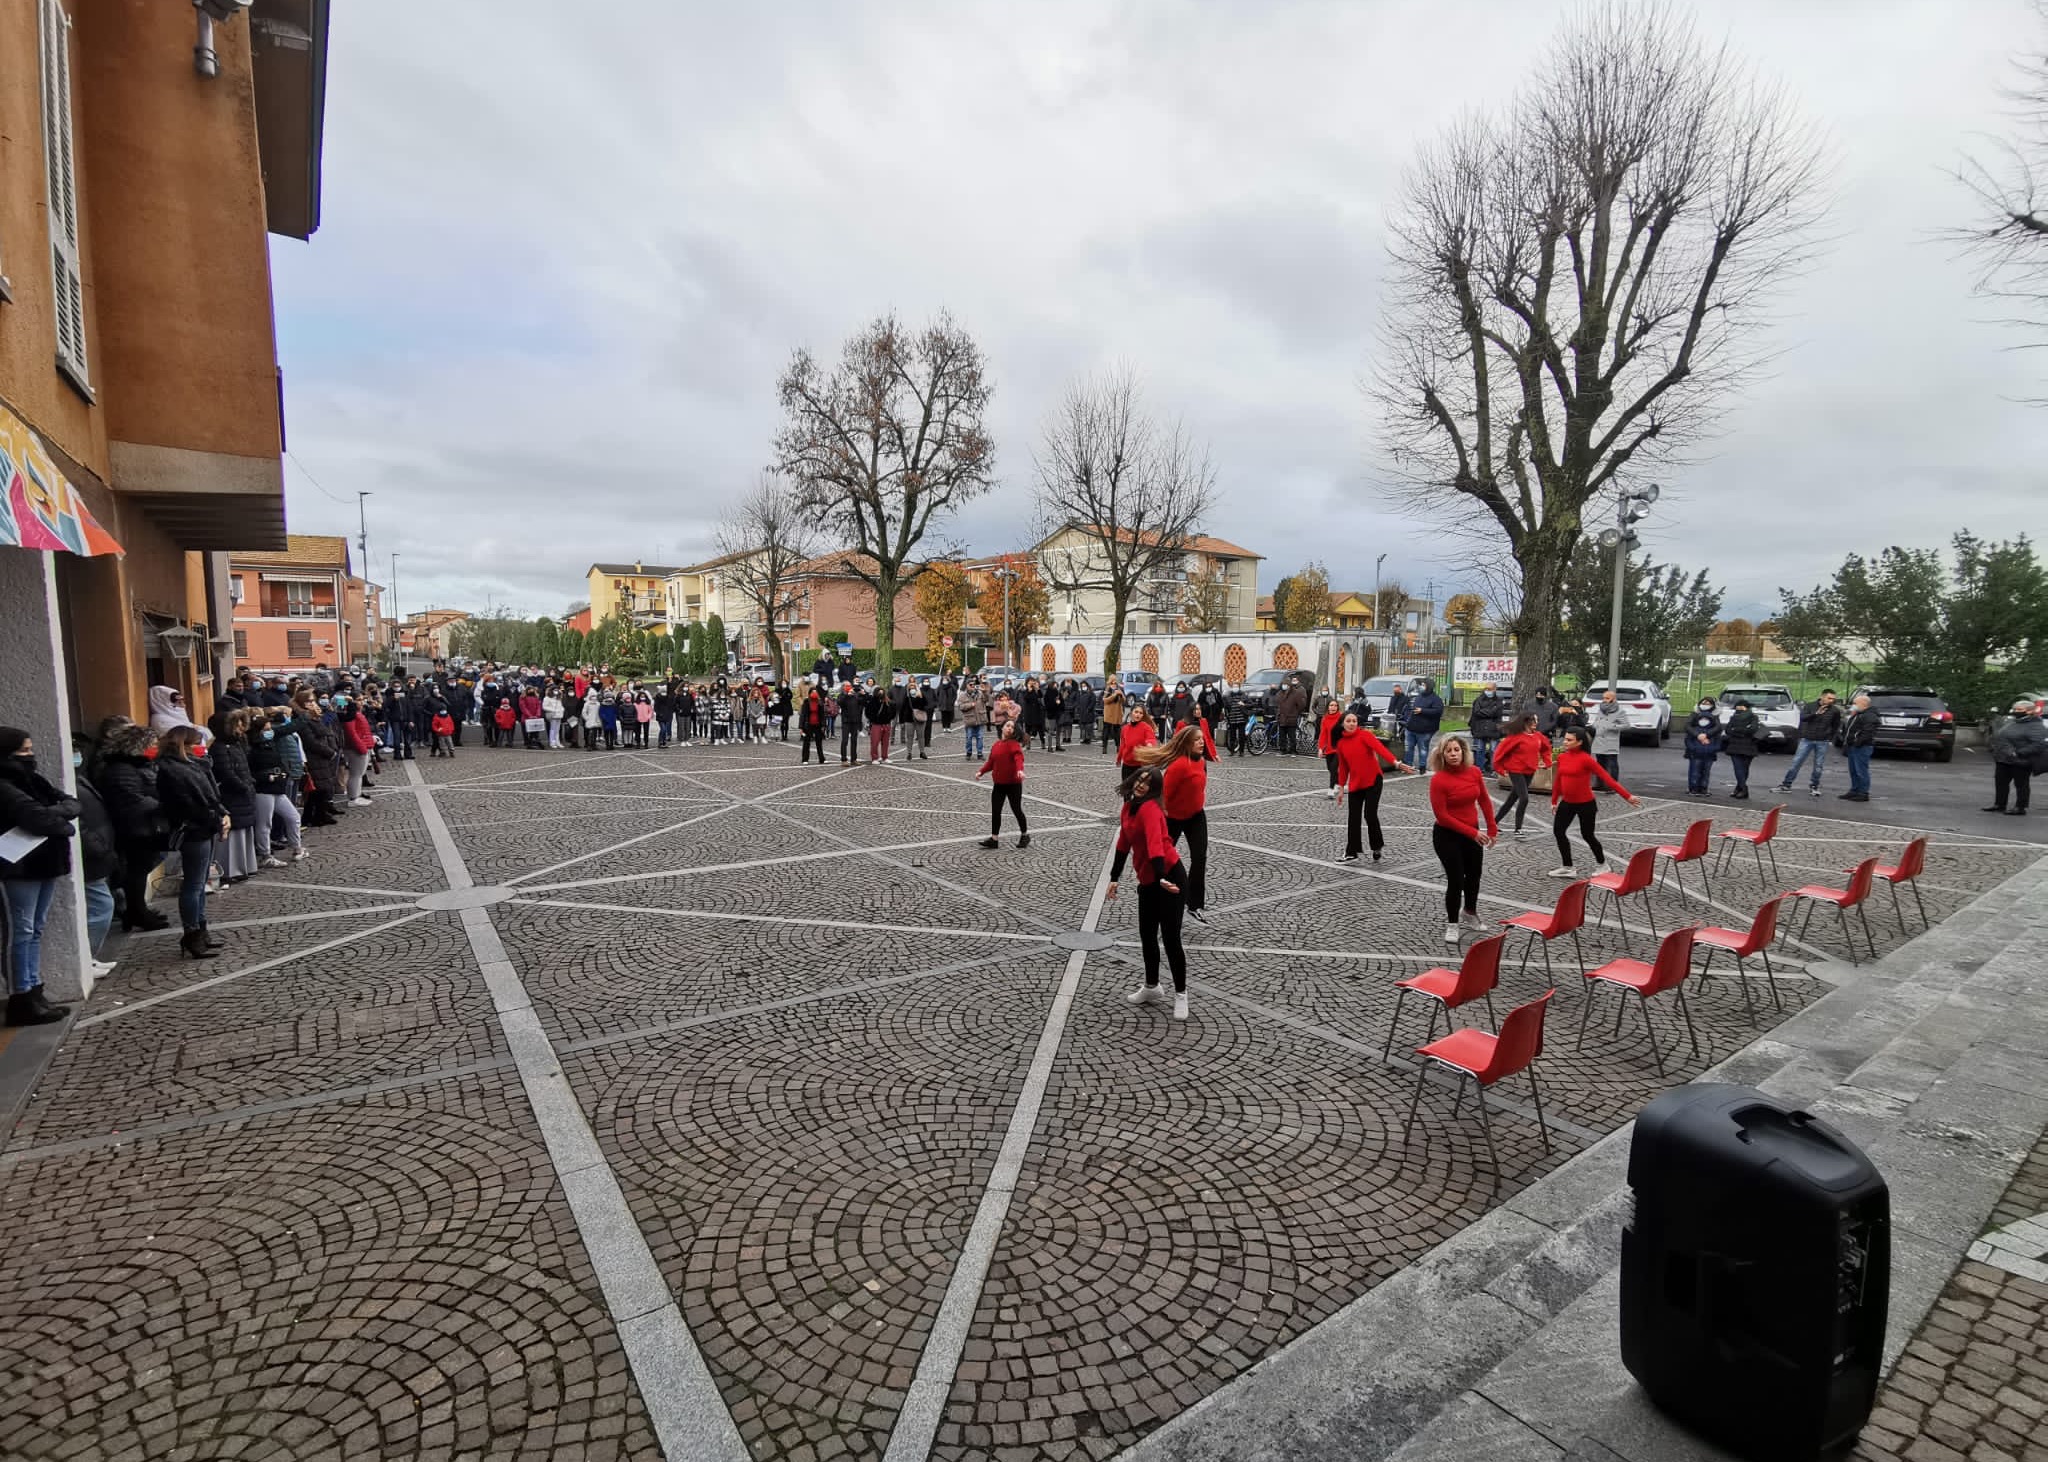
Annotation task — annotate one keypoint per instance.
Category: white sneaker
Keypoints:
(1565, 872)
(1333, 794)
(271, 863)
(360, 802)
(1450, 934)
(103, 967)
(1143, 995)
(300, 856)
(1180, 1006)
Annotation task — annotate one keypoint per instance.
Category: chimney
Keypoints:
(636, 565)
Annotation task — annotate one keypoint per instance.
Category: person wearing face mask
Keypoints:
(237, 783)
(356, 740)
(272, 786)
(43, 821)
(1608, 719)
(1703, 739)
(96, 855)
(193, 809)
(127, 779)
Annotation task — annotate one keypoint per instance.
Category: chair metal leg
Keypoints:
(1863, 918)
(1490, 1013)
(1400, 998)
(1898, 911)
(1586, 1010)
(1925, 922)
(1525, 949)
(1705, 882)
(1686, 1010)
(1848, 937)
(1458, 1102)
(1656, 1050)
(1421, 1074)
(1620, 1010)
(1619, 917)
(1486, 1128)
(1707, 964)
(1649, 913)
(1774, 860)
(1537, 1092)
(1807, 922)
(1742, 979)
(1663, 872)
(1580, 950)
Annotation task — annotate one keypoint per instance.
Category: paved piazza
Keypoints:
(751, 1109)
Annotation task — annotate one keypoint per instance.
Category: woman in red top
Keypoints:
(810, 725)
(1142, 837)
(1571, 796)
(1458, 797)
(1136, 735)
(1519, 755)
(1184, 797)
(1005, 765)
(1327, 732)
(1358, 757)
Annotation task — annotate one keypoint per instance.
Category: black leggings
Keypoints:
(1159, 917)
(1517, 798)
(1330, 761)
(1586, 812)
(1463, 860)
(813, 737)
(1012, 793)
(1364, 801)
(1194, 887)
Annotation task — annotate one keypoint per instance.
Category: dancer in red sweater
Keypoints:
(1519, 756)
(1358, 755)
(1142, 837)
(1184, 780)
(1005, 765)
(1327, 732)
(1571, 795)
(1134, 738)
(1458, 797)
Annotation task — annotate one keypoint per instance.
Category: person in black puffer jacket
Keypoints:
(31, 806)
(125, 772)
(97, 860)
(323, 762)
(230, 762)
(193, 809)
(274, 809)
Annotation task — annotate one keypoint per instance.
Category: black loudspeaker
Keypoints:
(1755, 1271)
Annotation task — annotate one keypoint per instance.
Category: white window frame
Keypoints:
(60, 165)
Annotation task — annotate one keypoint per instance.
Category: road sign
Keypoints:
(945, 642)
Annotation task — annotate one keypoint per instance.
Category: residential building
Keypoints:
(694, 593)
(140, 399)
(1077, 554)
(429, 633)
(1352, 609)
(635, 591)
(829, 596)
(578, 619)
(300, 606)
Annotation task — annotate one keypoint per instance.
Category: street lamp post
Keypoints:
(1630, 510)
(1009, 641)
(1378, 628)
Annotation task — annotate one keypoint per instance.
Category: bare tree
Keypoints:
(2008, 180)
(1129, 492)
(884, 444)
(1572, 286)
(765, 539)
(1205, 605)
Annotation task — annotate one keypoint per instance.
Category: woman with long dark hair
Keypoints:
(1459, 799)
(1137, 734)
(1142, 838)
(1184, 797)
(192, 806)
(1358, 756)
(1571, 797)
(1520, 755)
(1005, 766)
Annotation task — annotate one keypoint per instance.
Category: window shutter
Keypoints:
(298, 644)
(241, 644)
(61, 168)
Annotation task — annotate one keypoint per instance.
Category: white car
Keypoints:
(1648, 708)
(1777, 713)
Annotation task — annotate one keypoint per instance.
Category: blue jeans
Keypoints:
(99, 913)
(195, 856)
(1482, 751)
(28, 908)
(1699, 773)
(974, 748)
(1418, 747)
(1859, 769)
(1818, 750)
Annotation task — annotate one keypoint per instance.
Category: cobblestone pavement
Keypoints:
(1973, 1384)
(582, 1105)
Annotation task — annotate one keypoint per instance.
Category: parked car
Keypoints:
(1649, 709)
(1379, 691)
(1261, 687)
(1911, 718)
(1136, 682)
(1777, 714)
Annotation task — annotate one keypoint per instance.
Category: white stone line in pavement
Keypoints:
(173, 932)
(527, 817)
(1427, 959)
(1029, 796)
(786, 858)
(777, 919)
(256, 969)
(917, 1422)
(389, 893)
(529, 773)
(523, 791)
(1362, 871)
(689, 1417)
(610, 848)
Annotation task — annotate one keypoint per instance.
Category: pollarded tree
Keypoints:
(766, 538)
(1574, 284)
(885, 444)
(2008, 179)
(1119, 499)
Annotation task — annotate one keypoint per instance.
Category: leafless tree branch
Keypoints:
(767, 538)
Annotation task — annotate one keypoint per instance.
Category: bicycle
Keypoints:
(1255, 738)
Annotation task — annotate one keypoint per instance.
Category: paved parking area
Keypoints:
(593, 1104)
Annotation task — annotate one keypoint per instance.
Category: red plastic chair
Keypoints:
(1855, 896)
(1674, 963)
(1758, 838)
(1569, 917)
(1745, 944)
(1487, 1059)
(1633, 879)
(1474, 979)
(1691, 849)
(1912, 863)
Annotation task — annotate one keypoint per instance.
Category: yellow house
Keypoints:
(636, 591)
(1349, 609)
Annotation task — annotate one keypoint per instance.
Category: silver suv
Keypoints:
(1777, 713)
(1647, 707)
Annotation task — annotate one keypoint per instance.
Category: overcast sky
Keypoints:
(565, 252)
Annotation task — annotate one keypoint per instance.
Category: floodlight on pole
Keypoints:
(1632, 508)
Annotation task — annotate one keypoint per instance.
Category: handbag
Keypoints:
(536, 723)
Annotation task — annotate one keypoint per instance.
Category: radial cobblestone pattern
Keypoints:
(294, 1202)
